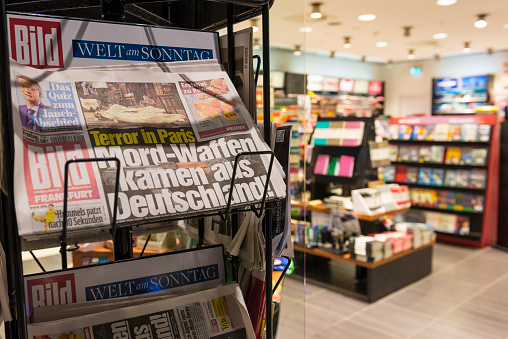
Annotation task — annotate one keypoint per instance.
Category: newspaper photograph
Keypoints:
(176, 137)
(215, 313)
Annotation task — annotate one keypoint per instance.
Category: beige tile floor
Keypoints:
(466, 296)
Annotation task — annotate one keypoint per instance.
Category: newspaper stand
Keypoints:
(114, 10)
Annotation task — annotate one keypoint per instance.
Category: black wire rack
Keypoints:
(189, 14)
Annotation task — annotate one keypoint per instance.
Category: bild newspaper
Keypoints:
(176, 133)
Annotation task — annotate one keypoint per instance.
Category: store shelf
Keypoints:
(437, 209)
(441, 188)
(322, 209)
(329, 254)
(438, 165)
(470, 236)
(439, 101)
(319, 178)
(440, 143)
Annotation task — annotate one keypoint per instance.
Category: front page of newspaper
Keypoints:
(181, 272)
(215, 313)
(176, 136)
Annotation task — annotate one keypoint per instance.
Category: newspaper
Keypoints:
(180, 271)
(176, 136)
(215, 313)
(244, 77)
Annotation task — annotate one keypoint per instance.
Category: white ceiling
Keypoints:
(425, 17)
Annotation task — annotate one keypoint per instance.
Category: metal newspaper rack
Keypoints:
(114, 10)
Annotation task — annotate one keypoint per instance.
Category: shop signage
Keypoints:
(346, 85)
(375, 87)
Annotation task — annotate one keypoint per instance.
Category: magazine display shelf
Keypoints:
(483, 224)
(115, 10)
(361, 163)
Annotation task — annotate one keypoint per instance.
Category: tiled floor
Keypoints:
(466, 296)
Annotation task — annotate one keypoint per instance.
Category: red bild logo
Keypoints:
(58, 290)
(36, 43)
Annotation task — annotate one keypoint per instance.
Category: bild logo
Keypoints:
(56, 290)
(36, 43)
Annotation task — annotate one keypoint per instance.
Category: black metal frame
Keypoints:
(9, 233)
(63, 241)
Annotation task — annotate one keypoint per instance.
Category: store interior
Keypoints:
(397, 167)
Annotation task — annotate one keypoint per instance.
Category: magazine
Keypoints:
(176, 136)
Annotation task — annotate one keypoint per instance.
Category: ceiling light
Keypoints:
(389, 64)
(437, 57)
(381, 44)
(256, 44)
(490, 51)
(505, 26)
(254, 25)
(332, 54)
(297, 51)
(367, 17)
(407, 31)
(306, 29)
(481, 22)
(445, 2)
(411, 54)
(466, 49)
(364, 58)
(440, 36)
(316, 12)
(347, 42)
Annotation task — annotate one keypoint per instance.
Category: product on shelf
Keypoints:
(425, 154)
(466, 157)
(322, 164)
(347, 164)
(367, 201)
(478, 179)
(462, 178)
(437, 177)
(338, 133)
(425, 176)
(479, 156)
(412, 175)
(450, 178)
(437, 154)
(452, 156)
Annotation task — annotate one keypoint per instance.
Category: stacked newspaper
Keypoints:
(176, 130)
(214, 313)
(174, 295)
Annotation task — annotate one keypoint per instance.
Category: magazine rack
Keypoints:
(114, 10)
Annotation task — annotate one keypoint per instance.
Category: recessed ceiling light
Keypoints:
(381, 44)
(305, 29)
(440, 36)
(445, 2)
(505, 26)
(367, 17)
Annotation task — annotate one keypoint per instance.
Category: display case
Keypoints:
(451, 164)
